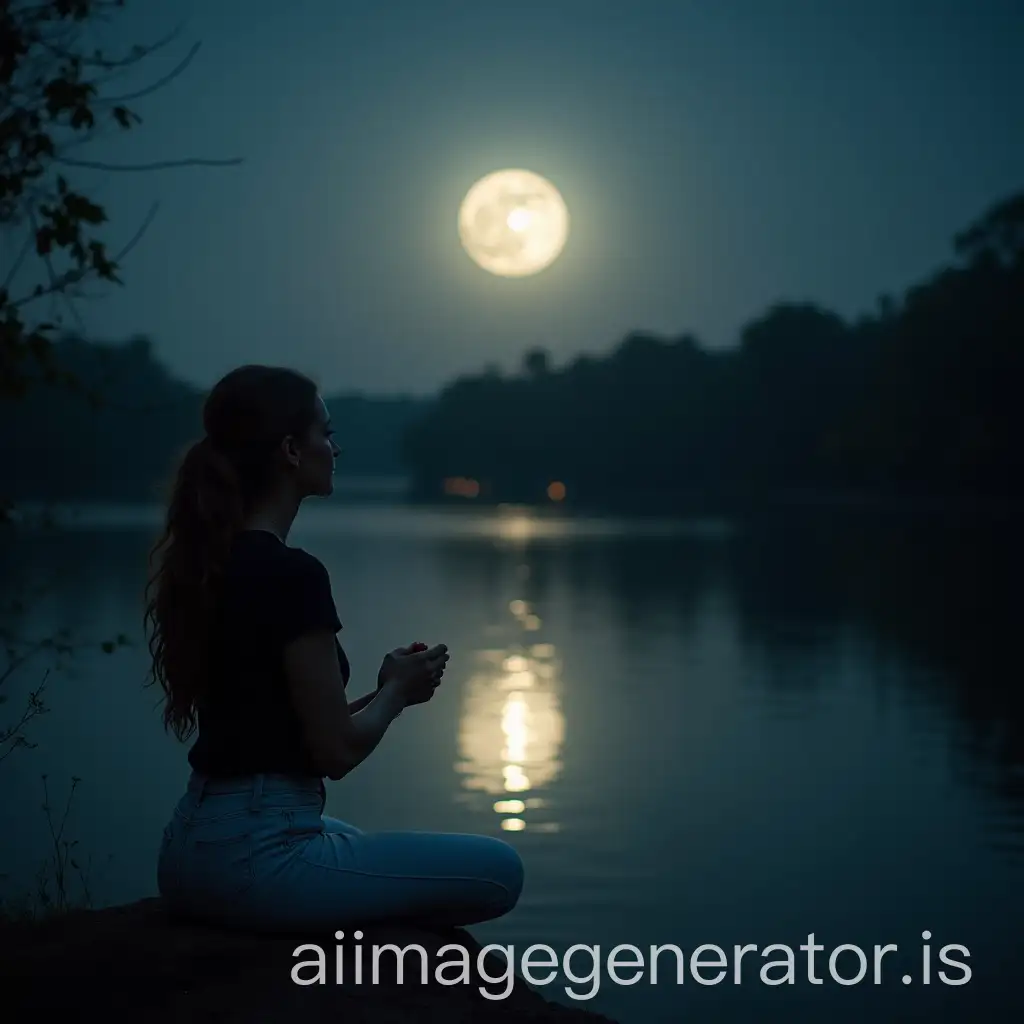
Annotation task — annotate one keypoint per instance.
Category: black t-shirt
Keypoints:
(271, 594)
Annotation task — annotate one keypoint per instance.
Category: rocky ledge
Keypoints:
(134, 963)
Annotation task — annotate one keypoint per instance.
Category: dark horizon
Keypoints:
(919, 399)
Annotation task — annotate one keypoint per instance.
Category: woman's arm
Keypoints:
(338, 738)
(360, 702)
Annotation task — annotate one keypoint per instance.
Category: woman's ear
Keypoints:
(290, 450)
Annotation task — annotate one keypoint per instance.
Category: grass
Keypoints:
(62, 881)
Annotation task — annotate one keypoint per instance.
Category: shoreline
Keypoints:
(133, 962)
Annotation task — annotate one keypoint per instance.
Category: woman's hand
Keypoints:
(386, 666)
(415, 671)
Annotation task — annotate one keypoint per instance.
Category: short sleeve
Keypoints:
(305, 603)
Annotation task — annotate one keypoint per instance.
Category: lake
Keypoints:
(696, 732)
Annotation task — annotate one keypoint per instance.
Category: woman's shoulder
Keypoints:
(288, 587)
(309, 591)
(268, 556)
(305, 563)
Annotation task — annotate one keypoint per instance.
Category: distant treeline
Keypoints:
(923, 396)
(62, 446)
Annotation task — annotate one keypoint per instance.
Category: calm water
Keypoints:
(705, 732)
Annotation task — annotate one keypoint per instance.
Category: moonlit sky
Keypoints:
(715, 157)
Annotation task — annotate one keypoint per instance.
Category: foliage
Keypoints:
(19, 652)
(63, 879)
(54, 98)
(49, 100)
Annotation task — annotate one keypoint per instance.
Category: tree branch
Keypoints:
(73, 276)
(137, 54)
(48, 263)
(159, 83)
(14, 734)
(16, 266)
(134, 240)
(158, 166)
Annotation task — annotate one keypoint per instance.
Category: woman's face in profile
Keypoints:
(320, 451)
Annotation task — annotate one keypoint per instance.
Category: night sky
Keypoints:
(715, 157)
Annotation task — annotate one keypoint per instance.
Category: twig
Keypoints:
(68, 278)
(17, 662)
(48, 263)
(138, 52)
(95, 165)
(34, 707)
(72, 277)
(134, 240)
(83, 879)
(60, 858)
(18, 262)
(160, 82)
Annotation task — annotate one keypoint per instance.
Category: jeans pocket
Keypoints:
(166, 865)
(165, 842)
(219, 869)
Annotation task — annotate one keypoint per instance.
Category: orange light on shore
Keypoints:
(462, 487)
(556, 490)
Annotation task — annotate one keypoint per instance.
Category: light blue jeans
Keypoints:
(258, 853)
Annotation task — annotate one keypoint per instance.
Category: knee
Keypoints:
(508, 871)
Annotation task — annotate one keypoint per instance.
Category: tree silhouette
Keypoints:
(536, 363)
(53, 100)
(921, 396)
(997, 236)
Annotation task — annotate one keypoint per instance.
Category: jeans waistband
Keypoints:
(255, 785)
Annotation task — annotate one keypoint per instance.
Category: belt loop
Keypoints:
(257, 793)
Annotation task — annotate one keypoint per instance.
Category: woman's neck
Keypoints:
(276, 518)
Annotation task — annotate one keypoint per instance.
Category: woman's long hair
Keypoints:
(246, 416)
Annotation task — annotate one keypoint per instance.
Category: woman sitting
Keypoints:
(243, 640)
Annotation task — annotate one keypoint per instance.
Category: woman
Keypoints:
(243, 639)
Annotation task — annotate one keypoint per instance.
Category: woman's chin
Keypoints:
(324, 490)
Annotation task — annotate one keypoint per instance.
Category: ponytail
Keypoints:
(218, 481)
(187, 563)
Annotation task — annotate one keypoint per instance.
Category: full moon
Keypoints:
(513, 223)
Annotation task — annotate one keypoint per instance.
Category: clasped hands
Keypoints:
(416, 670)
